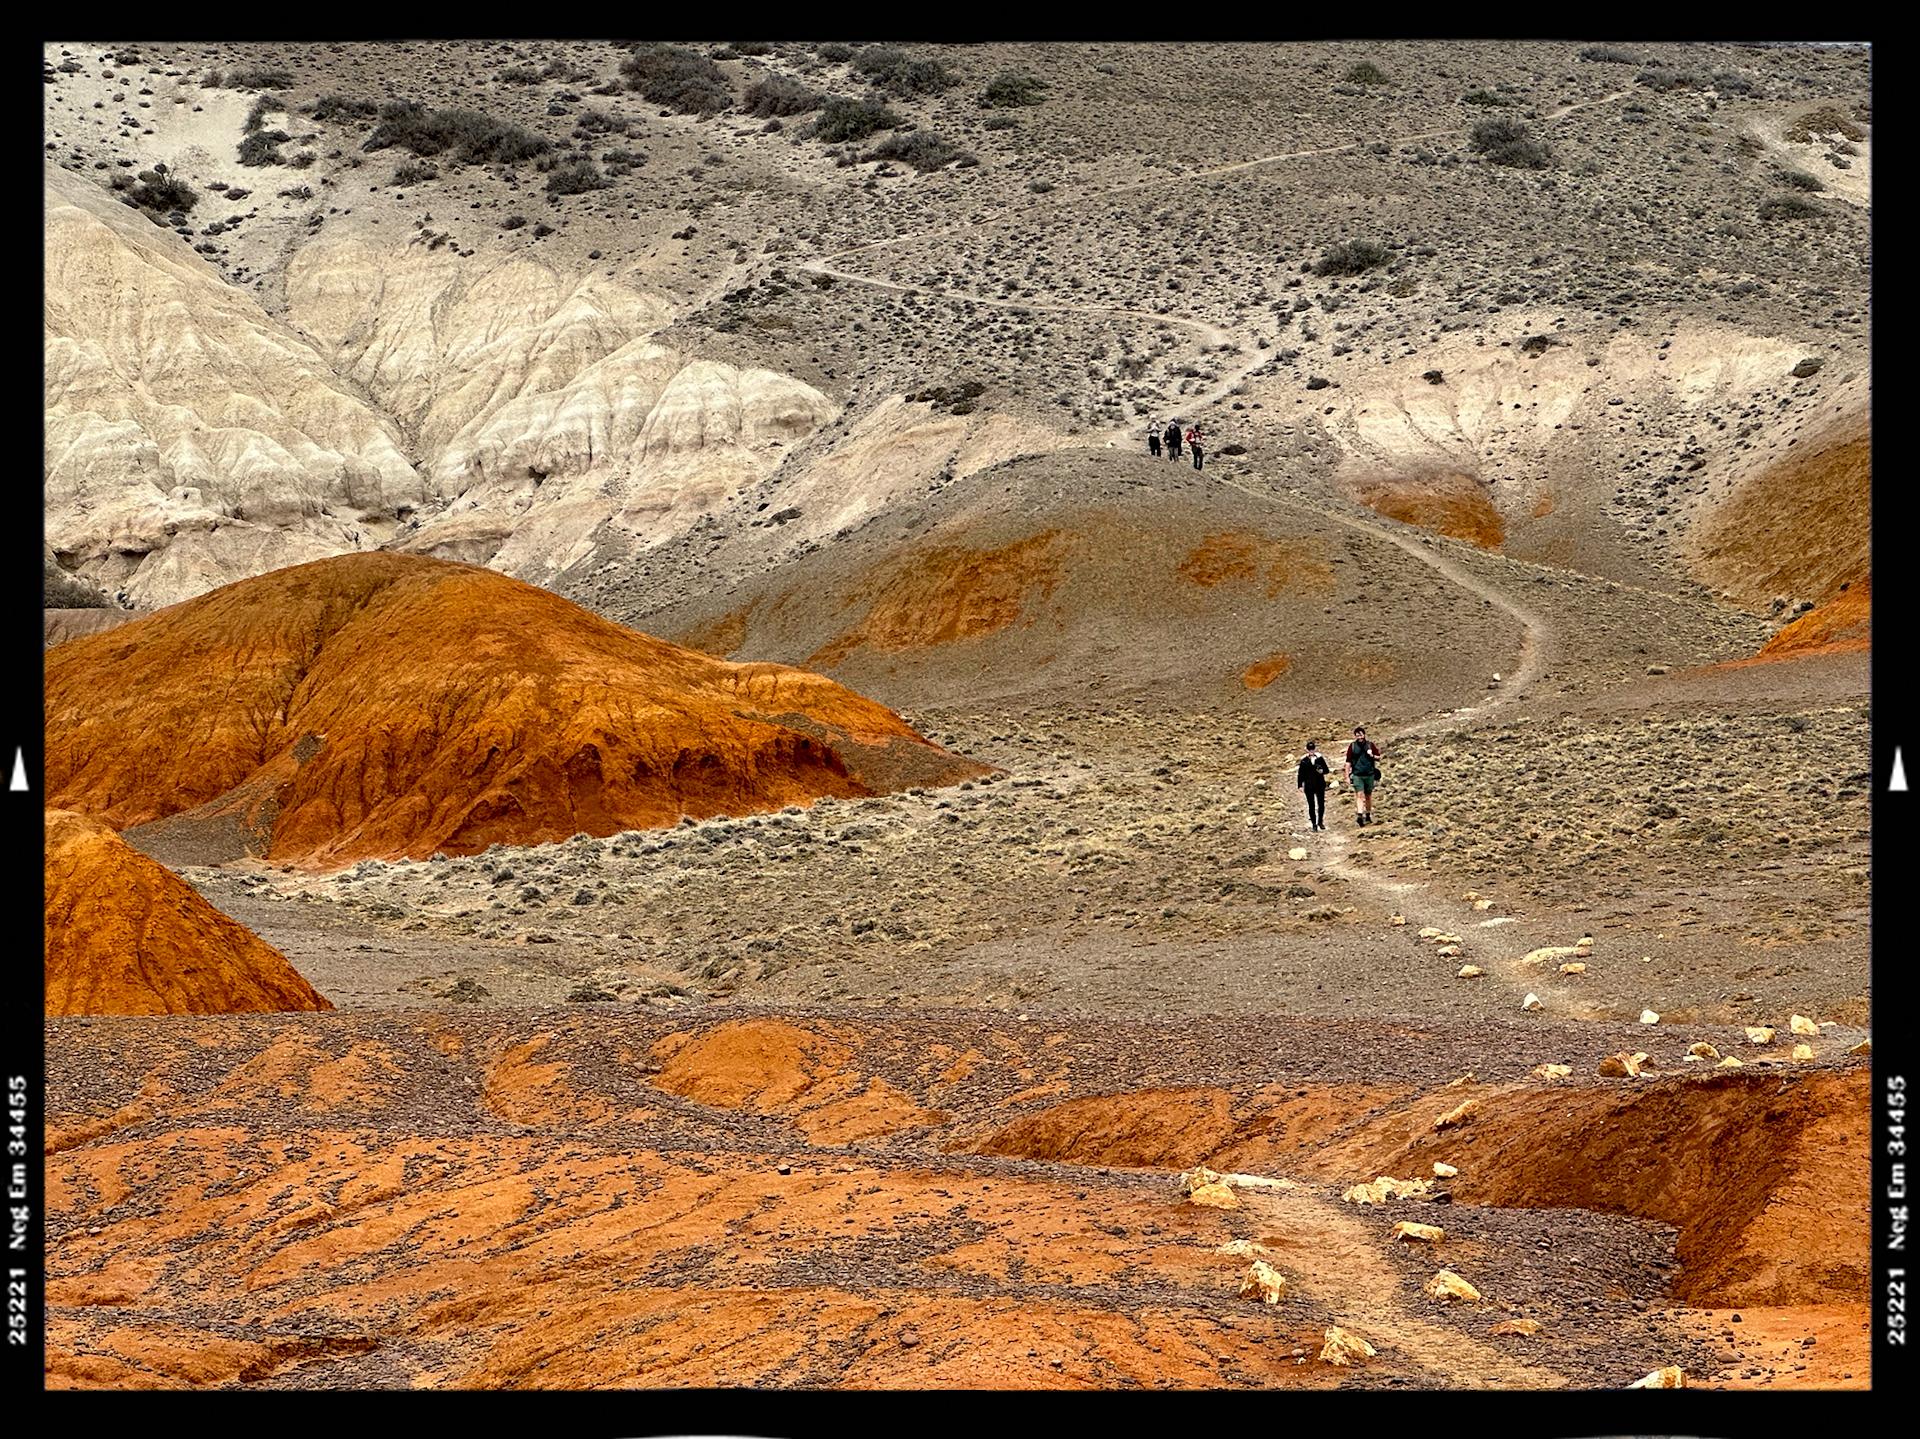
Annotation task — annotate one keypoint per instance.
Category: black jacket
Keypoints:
(1313, 772)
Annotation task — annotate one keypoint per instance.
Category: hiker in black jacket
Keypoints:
(1363, 768)
(1172, 439)
(1313, 781)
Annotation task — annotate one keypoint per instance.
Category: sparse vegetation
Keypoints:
(1365, 73)
(1352, 257)
(919, 148)
(781, 95)
(336, 107)
(842, 120)
(956, 399)
(1484, 97)
(161, 192)
(835, 53)
(575, 177)
(466, 136)
(1505, 141)
(1788, 207)
(1662, 80)
(1615, 55)
(678, 78)
(1800, 180)
(519, 75)
(1000, 122)
(898, 73)
(1009, 91)
(412, 172)
(262, 147)
(1827, 120)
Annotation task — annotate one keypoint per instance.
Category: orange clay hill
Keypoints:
(390, 706)
(126, 936)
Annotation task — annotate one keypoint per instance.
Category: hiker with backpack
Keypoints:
(1153, 439)
(1312, 779)
(1172, 438)
(1363, 769)
(1193, 443)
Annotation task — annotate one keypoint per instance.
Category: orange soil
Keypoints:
(126, 936)
(390, 705)
(1283, 566)
(1792, 1346)
(369, 1216)
(1802, 526)
(1843, 623)
(1448, 504)
(1261, 673)
(949, 593)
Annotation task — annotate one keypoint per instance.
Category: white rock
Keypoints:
(1671, 1377)
(1263, 1282)
(1448, 1285)
(1296, 853)
(1443, 1171)
(1342, 1347)
(1532, 1001)
(1759, 1034)
(1803, 1052)
(1647, 1016)
(1470, 971)
(1800, 1024)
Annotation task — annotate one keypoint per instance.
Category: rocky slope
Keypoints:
(126, 936)
(383, 705)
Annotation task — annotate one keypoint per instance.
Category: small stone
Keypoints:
(1532, 1001)
(1396, 919)
(1471, 971)
(1449, 951)
(1516, 1326)
(1429, 932)
(1672, 1377)
(1647, 1016)
(1483, 904)
(1703, 1050)
(1803, 1052)
(1759, 1034)
(1448, 1285)
(1472, 894)
(1456, 1117)
(1575, 968)
(1552, 1071)
(1296, 853)
(1552, 951)
(1380, 1190)
(1343, 1347)
(1468, 1078)
(1443, 1171)
(1621, 1066)
(1263, 1282)
(1800, 1024)
(1728, 1063)
(1426, 1233)
(1865, 1046)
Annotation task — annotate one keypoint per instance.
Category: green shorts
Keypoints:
(1365, 782)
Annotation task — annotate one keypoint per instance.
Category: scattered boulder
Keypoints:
(1448, 1285)
(1443, 1171)
(1552, 1071)
(1671, 1377)
(1647, 1016)
(1454, 1118)
(1803, 1052)
(1263, 1282)
(1729, 1063)
(1471, 971)
(1426, 1233)
(1759, 1034)
(1198, 1177)
(1342, 1347)
(1800, 1024)
(1214, 1196)
(1624, 1066)
(1449, 951)
(1516, 1326)
(1379, 1191)
(1483, 904)
(1296, 853)
(1703, 1050)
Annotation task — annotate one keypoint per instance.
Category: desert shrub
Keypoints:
(593, 123)
(1505, 141)
(1352, 257)
(161, 192)
(835, 53)
(1009, 91)
(1827, 120)
(781, 95)
(1731, 82)
(843, 120)
(467, 135)
(629, 158)
(412, 172)
(257, 116)
(519, 75)
(253, 77)
(1614, 55)
(678, 78)
(1484, 97)
(575, 177)
(1800, 180)
(262, 147)
(734, 48)
(919, 148)
(1788, 207)
(900, 74)
(1366, 73)
(336, 106)
(1662, 80)
(513, 222)
(1001, 122)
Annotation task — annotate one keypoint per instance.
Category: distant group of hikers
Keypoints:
(1362, 768)
(1169, 439)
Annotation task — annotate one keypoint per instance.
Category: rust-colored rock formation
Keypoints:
(387, 705)
(1447, 503)
(125, 936)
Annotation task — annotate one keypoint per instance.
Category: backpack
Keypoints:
(1360, 756)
